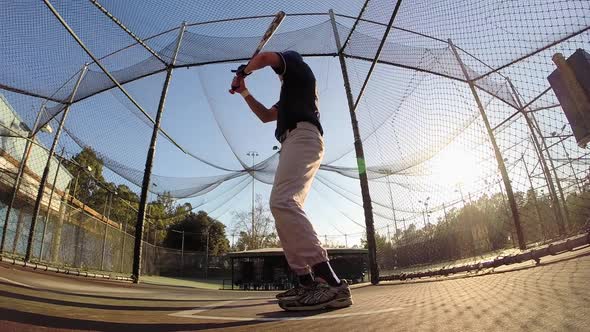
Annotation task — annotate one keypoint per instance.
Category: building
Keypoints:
(12, 148)
(267, 269)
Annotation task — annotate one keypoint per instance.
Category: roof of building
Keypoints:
(279, 252)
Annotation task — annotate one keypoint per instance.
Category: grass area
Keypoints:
(185, 282)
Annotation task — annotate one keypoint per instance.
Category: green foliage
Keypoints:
(478, 228)
(196, 226)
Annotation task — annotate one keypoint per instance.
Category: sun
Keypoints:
(456, 167)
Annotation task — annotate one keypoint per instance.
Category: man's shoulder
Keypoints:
(291, 55)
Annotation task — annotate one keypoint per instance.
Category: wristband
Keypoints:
(245, 93)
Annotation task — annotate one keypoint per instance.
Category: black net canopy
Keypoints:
(411, 69)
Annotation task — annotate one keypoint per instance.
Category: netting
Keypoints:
(437, 194)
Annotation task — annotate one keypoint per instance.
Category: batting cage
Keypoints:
(455, 132)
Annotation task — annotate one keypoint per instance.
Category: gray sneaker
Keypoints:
(321, 296)
(292, 293)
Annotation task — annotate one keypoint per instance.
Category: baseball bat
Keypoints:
(274, 25)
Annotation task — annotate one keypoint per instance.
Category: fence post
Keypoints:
(498, 154)
(21, 170)
(526, 169)
(565, 214)
(182, 255)
(49, 204)
(360, 155)
(43, 180)
(123, 246)
(106, 213)
(137, 250)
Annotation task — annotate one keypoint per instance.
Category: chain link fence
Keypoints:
(466, 151)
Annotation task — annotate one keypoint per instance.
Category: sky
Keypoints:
(414, 114)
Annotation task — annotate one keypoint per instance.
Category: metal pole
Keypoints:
(19, 222)
(253, 154)
(49, 204)
(499, 159)
(137, 250)
(182, 255)
(345, 240)
(123, 246)
(564, 227)
(392, 207)
(539, 215)
(106, 213)
(377, 55)
(567, 155)
(43, 180)
(207, 255)
(530, 120)
(17, 181)
(360, 157)
(232, 272)
(106, 72)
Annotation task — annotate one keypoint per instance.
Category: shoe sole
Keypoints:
(334, 304)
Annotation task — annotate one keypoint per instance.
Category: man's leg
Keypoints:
(299, 161)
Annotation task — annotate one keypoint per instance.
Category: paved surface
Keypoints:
(551, 297)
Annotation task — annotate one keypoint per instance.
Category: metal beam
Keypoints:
(356, 22)
(105, 71)
(377, 55)
(533, 53)
(539, 151)
(43, 181)
(18, 179)
(141, 214)
(498, 154)
(360, 157)
(27, 93)
(129, 32)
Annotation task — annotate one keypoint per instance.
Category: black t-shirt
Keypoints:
(299, 100)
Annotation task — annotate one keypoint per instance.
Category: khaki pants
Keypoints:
(299, 161)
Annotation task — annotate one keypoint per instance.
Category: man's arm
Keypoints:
(264, 114)
(262, 60)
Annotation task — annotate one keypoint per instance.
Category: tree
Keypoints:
(87, 171)
(196, 227)
(258, 232)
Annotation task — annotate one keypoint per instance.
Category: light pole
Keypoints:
(425, 202)
(87, 168)
(252, 154)
(460, 191)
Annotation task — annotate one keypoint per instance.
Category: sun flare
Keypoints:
(456, 167)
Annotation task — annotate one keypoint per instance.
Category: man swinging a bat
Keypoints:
(300, 133)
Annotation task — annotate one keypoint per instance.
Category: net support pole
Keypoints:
(559, 217)
(19, 176)
(50, 154)
(124, 235)
(96, 61)
(106, 213)
(565, 215)
(49, 204)
(498, 154)
(141, 214)
(360, 157)
(377, 55)
(534, 194)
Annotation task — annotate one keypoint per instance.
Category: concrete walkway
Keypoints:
(551, 297)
